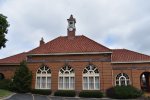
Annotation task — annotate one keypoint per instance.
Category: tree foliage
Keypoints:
(22, 79)
(3, 30)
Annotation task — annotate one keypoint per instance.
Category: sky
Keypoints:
(115, 24)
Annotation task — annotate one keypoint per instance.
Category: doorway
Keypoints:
(145, 81)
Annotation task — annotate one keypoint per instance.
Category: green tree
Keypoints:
(22, 79)
(3, 30)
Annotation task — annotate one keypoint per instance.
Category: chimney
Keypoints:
(71, 27)
(42, 41)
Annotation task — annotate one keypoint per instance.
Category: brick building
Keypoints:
(78, 63)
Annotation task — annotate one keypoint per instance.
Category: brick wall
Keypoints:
(7, 70)
(106, 69)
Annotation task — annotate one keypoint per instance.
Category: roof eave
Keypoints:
(12, 64)
(78, 53)
(129, 62)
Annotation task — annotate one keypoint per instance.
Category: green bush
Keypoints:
(123, 92)
(65, 93)
(22, 79)
(91, 94)
(42, 92)
(5, 84)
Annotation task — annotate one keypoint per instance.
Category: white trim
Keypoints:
(64, 75)
(73, 53)
(88, 75)
(119, 80)
(45, 75)
(132, 62)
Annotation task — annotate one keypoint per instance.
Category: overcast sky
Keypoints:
(113, 23)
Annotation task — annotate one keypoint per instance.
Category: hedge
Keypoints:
(41, 91)
(5, 84)
(65, 93)
(124, 92)
(91, 94)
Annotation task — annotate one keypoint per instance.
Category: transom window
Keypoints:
(43, 78)
(66, 78)
(91, 78)
(122, 79)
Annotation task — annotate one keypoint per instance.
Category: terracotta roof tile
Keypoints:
(77, 45)
(15, 59)
(66, 45)
(124, 55)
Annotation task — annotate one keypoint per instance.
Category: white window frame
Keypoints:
(70, 75)
(88, 75)
(40, 75)
(123, 75)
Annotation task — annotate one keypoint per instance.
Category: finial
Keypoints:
(71, 18)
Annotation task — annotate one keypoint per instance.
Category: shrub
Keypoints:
(123, 92)
(42, 92)
(91, 94)
(22, 79)
(5, 84)
(65, 93)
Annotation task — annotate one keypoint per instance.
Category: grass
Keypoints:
(4, 93)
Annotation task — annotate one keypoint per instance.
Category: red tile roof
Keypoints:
(124, 55)
(65, 45)
(15, 59)
(77, 45)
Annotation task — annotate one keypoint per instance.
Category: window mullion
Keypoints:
(69, 82)
(46, 83)
(40, 82)
(63, 82)
(88, 82)
(36, 82)
(94, 82)
(125, 81)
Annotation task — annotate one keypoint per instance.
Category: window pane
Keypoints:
(60, 82)
(117, 82)
(39, 71)
(122, 82)
(48, 71)
(48, 82)
(72, 83)
(128, 82)
(85, 83)
(66, 83)
(96, 82)
(85, 71)
(43, 81)
(91, 83)
(38, 82)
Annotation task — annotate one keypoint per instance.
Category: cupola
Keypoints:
(71, 27)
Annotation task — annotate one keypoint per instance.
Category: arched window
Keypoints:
(122, 79)
(66, 78)
(43, 78)
(91, 78)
